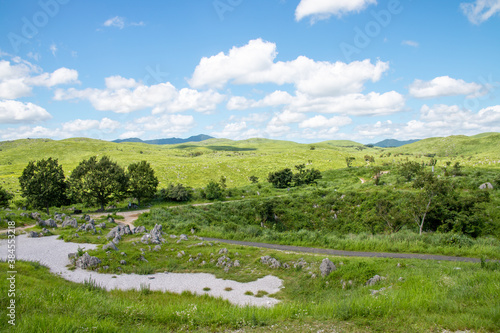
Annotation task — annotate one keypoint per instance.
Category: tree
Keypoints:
(281, 179)
(214, 191)
(142, 180)
(5, 197)
(176, 193)
(421, 204)
(98, 182)
(43, 184)
(349, 160)
(253, 179)
(409, 170)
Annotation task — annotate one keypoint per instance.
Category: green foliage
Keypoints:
(410, 169)
(142, 180)
(349, 160)
(175, 193)
(5, 197)
(281, 179)
(98, 182)
(214, 191)
(43, 184)
(253, 179)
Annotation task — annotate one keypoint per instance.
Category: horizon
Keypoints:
(305, 71)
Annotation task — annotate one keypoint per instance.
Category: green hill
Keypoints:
(195, 163)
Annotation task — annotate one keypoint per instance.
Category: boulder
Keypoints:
(111, 220)
(156, 234)
(183, 237)
(70, 223)
(374, 280)
(270, 261)
(110, 246)
(140, 229)
(102, 225)
(87, 261)
(50, 223)
(486, 186)
(123, 262)
(32, 234)
(90, 227)
(326, 267)
(145, 239)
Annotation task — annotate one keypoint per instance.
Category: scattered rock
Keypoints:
(33, 234)
(156, 234)
(70, 223)
(102, 225)
(224, 261)
(157, 248)
(183, 237)
(87, 261)
(374, 280)
(140, 229)
(145, 239)
(90, 227)
(270, 261)
(123, 262)
(181, 254)
(111, 220)
(327, 267)
(236, 263)
(223, 251)
(486, 186)
(110, 246)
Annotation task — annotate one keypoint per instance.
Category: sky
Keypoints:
(299, 70)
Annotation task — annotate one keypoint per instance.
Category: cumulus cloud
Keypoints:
(117, 22)
(79, 125)
(481, 10)
(411, 43)
(254, 63)
(24, 132)
(164, 125)
(323, 122)
(126, 95)
(323, 9)
(444, 86)
(18, 77)
(437, 121)
(14, 112)
(370, 104)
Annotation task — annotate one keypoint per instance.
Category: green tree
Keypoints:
(98, 182)
(349, 160)
(409, 170)
(281, 179)
(176, 193)
(43, 184)
(214, 191)
(5, 197)
(142, 180)
(253, 179)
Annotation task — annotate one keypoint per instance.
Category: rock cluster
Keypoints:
(87, 261)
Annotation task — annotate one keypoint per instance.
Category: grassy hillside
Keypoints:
(194, 164)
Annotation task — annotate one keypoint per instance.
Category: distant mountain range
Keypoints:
(393, 143)
(169, 141)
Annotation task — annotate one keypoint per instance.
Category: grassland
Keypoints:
(419, 295)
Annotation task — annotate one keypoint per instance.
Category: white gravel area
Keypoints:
(53, 253)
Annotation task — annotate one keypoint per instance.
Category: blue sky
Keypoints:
(301, 70)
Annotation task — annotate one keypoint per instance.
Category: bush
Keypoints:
(175, 193)
(214, 191)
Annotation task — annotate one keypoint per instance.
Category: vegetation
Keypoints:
(43, 184)
(142, 180)
(98, 182)
(5, 197)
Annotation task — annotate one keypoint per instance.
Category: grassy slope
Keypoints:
(237, 160)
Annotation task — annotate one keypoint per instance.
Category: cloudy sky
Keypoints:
(300, 70)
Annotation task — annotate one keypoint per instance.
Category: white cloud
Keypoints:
(12, 112)
(35, 56)
(254, 64)
(437, 121)
(126, 95)
(165, 125)
(53, 49)
(17, 78)
(481, 10)
(238, 131)
(370, 104)
(323, 122)
(24, 132)
(444, 86)
(411, 43)
(79, 125)
(117, 22)
(323, 9)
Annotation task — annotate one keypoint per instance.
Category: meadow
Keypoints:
(346, 209)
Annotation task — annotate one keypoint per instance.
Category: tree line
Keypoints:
(92, 182)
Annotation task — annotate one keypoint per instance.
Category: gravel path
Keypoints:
(344, 253)
(53, 253)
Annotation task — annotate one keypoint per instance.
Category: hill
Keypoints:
(388, 143)
(169, 141)
(196, 163)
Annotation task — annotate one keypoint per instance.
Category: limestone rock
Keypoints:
(87, 261)
(326, 267)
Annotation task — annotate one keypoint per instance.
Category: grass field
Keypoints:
(416, 296)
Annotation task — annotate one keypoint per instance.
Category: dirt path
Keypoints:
(344, 253)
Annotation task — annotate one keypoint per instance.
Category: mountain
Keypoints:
(393, 143)
(169, 141)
